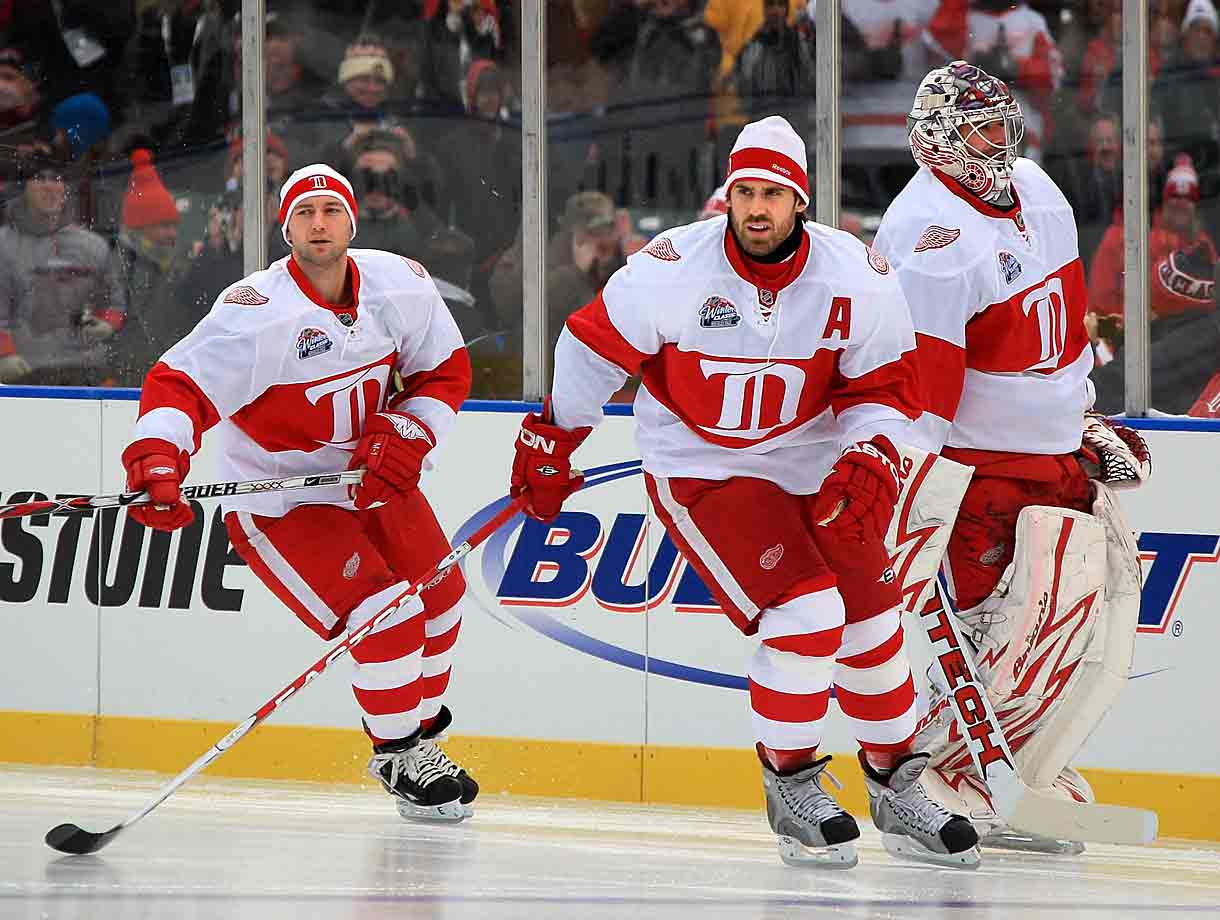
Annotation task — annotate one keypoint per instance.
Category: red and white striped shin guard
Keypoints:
(440, 639)
(387, 683)
(791, 671)
(874, 688)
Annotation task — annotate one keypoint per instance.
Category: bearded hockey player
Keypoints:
(1040, 565)
(776, 358)
(293, 369)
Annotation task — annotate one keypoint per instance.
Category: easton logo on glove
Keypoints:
(542, 468)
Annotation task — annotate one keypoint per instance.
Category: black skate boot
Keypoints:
(470, 789)
(914, 826)
(415, 772)
(813, 830)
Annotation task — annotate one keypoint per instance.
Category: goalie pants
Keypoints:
(984, 537)
(336, 569)
(826, 612)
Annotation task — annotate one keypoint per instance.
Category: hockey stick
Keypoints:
(1023, 807)
(205, 490)
(72, 839)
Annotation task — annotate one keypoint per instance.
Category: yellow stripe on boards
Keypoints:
(713, 777)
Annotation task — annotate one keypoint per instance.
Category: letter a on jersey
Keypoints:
(838, 324)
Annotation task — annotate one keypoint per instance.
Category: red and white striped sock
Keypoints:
(874, 689)
(791, 671)
(440, 639)
(387, 683)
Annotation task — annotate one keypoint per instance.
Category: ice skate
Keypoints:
(1073, 788)
(813, 830)
(470, 788)
(418, 774)
(914, 826)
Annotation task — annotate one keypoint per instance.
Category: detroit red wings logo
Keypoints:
(770, 559)
(246, 296)
(416, 267)
(879, 263)
(936, 238)
(661, 248)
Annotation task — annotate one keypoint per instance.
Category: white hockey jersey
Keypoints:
(998, 300)
(744, 376)
(288, 379)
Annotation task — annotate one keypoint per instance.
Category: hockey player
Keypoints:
(775, 357)
(984, 245)
(293, 367)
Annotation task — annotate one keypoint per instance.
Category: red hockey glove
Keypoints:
(542, 469)
(1113, 453)
(392, 450)
(158, 468)
(856, 501)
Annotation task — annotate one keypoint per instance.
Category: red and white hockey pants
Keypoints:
(826, 613)
(336, 569)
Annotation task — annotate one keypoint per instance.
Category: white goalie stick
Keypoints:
(926, 525)
(204, 490)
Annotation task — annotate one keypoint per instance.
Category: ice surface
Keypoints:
(291, 851)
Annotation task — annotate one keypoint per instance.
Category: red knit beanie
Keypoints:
(147, 201)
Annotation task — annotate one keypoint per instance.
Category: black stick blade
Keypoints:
(76, 841)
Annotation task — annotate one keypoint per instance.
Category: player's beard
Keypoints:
(756, 246)
(336, 253)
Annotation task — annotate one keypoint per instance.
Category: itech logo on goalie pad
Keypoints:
(312, 342)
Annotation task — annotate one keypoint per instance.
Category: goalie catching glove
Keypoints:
(542, 469)
(391, 451)
(158, 468)
(1113, 453)
(856, 500)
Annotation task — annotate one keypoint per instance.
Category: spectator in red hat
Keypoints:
(150, 265)
(1180, 253)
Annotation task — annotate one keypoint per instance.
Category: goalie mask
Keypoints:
(945, 126)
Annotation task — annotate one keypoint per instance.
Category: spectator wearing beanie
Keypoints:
(1178, 249)
(149, 265)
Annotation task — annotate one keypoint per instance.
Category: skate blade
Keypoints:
(1021, 842)
(449, 813)
(796, 854)
(904, 847)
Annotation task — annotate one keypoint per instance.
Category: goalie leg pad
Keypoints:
(1107, 660)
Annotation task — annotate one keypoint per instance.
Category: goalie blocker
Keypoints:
(1052, 646)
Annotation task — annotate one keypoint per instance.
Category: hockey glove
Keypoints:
(392, 451)
(542, 469)
(857, 498)
(158, 468)
(1113, 453)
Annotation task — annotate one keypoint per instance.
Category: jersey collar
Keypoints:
(307, 288)
(985, 208)
(765, 277)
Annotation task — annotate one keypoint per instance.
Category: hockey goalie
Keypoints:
(1039, 564)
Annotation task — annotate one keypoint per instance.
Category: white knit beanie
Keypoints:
(1201, 9)
(770, 150)
(312, 181)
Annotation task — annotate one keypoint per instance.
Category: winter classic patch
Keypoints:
(312, 342)
(718, 313)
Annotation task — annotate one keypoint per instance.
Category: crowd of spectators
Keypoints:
(120, 143)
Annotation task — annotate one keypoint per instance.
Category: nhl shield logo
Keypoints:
(351, 567)
(770, 559)
(766, 297)
(718, 313)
